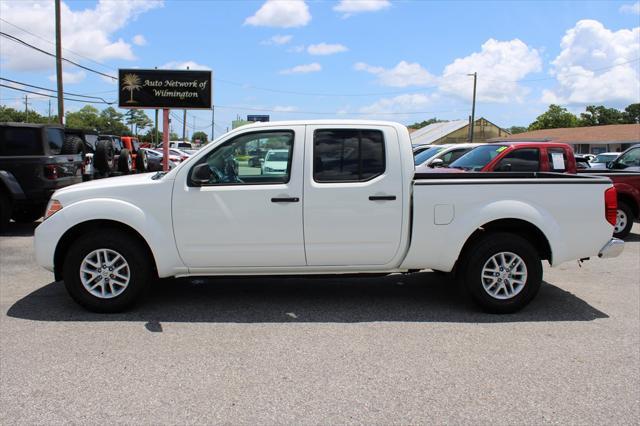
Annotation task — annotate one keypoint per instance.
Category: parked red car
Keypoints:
(553, 157)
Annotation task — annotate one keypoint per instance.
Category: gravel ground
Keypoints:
(392, 350)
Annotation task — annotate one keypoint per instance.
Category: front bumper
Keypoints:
(612, 249)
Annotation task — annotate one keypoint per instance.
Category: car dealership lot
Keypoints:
(398, 349)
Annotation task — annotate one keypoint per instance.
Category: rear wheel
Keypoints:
(125, 163)
(502, 272)
(142, 162)
(624, 220)
(72, 145)
(103, 157)
(106, 271)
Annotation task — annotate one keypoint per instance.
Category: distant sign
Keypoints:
(182, 89)
(255, 118)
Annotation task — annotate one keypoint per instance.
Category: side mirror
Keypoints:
(505, 167)
(611, 165)
(438, 162)
(202, 174)
(262, 161)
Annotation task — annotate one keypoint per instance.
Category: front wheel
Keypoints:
(106, 271)
(624, 220)
(502, 272)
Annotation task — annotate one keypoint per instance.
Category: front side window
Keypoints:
(347, 155)
(477, 158)
(231, 163)
(55, 138)
(453, 155)
(629, 159)
(520, 160)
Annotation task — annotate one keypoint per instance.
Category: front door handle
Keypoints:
(382, 197)
(285, 200)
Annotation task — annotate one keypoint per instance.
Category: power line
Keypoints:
(53, 96)
(242, 108)
(52, 43)
(24, 43)
(55, 91)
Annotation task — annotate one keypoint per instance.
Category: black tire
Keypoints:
(72, 145)
(27, 214)
(125, 163)
(5, 210)
(135, 255)
(624, 220)
(478, 256)
(142, 162)
(103, 157)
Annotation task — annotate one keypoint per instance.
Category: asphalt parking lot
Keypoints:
(397, 349)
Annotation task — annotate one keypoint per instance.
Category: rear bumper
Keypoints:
(612, 249)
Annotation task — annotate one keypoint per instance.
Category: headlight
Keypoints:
(53, 207)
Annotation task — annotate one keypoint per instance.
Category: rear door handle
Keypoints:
(285, 200)
(382, 197)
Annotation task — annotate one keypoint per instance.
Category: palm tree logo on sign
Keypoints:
(131, 82)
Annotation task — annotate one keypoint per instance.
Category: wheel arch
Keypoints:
(520, 227)
(631, 202)
(75, 232)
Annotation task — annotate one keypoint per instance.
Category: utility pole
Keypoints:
(49, 109)
(473, 107)
(184, 124)
(155, 132)
(59, 64)
(26, 108)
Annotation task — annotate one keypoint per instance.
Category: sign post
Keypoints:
(164, 89)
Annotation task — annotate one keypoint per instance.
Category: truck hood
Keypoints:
(121, 187)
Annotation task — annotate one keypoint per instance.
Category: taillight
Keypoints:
(51, 171)
(53, 207)
(611, 205)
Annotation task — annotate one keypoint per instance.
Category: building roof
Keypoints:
(435, 131)
(614, 133)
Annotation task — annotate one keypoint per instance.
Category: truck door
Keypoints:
(246, 215)
(353, 205)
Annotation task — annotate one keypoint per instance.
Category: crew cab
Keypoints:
(347, 202)
(554, 157)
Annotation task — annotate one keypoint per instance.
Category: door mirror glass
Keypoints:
(202, 175)
(438, 162)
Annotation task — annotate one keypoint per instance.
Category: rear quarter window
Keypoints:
(20, 141)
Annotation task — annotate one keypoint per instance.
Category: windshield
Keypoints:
(425, 155)
(477, 158)
(277, 156)
(604, 158)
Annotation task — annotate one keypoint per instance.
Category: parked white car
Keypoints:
(275, 162)
(350, 203)
(601, 160)
(442, 155)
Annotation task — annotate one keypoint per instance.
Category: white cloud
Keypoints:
(178, 65)
(596, 65)
(88, 32)
(139, 40)
(402, 75)
(303, 69)
(70, 77)
(631, 9)
(498, 64)
(402, 103)
(350, 7)
(296, 49)
(277, 40)
(326, 49)
(281, 14)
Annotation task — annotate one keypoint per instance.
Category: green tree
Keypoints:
(599, 116)
(631, 114)
(514, 130)
(15, 116)
(424, 123)
(199, 135)
(555, 117)
(88, 117)
(111, 122)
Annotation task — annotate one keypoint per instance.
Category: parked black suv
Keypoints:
(35, 160)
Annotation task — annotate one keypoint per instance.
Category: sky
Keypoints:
(404, 61)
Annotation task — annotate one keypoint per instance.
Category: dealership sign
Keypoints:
(164, 89)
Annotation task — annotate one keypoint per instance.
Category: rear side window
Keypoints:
(347, 155)
(557, 159)
(55, 139)
(20, 141)
(520, 160)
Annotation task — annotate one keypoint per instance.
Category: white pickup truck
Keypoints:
(344, 200)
